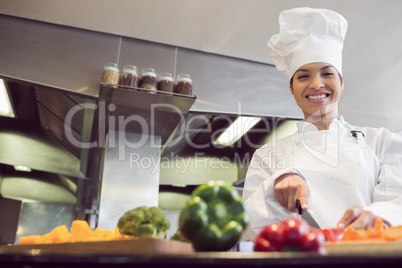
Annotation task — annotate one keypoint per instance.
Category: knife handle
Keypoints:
(298, 206)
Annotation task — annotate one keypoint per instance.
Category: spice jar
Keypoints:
(129, 76)
(165, 82)
(110, 74)
(184, 84)
(148, 79)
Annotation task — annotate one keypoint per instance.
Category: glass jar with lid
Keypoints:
(129, 76)
(148, 79)
(110, 74)
(184, 84)
(165, 83)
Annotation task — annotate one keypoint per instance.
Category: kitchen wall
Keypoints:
(240, 29)
(72, 59)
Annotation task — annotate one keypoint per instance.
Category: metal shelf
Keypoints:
(146, 112)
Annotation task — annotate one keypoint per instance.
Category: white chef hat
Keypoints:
(307, 35)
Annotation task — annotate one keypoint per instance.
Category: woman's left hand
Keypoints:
(357, 217)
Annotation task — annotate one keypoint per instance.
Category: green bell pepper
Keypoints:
(214, 217)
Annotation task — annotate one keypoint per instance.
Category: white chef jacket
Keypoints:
(342, 169)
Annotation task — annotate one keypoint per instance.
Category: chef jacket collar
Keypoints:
(335, 126)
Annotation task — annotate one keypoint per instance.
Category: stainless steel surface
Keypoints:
(139, 124)
(40, 218)
(50, 128)
(145, 113)
(241, 29)
(145, 54)
(61, 57)
(9, 215)
(130, 176)
(306, 215)
(233, 86)
(34, 149)
(51, 55)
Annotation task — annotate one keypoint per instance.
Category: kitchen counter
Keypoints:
(40, 258)
(150, 252)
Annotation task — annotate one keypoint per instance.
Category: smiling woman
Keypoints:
(329, 164)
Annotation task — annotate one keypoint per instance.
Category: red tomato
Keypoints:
(314, 241)
(262, 244)
(294, 231)
(273, 233)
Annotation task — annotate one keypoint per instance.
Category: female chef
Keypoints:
(344, 175)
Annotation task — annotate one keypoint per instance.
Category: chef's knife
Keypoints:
(306, 215)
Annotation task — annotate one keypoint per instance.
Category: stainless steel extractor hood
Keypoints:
(38, 137)
(63, 135)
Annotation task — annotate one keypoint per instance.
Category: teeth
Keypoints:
(316, 97)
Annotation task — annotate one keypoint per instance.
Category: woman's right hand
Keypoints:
(290, 187)
(356, 217)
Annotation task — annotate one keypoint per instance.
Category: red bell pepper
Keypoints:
(332, 235)
(270, 239)
(290, 235)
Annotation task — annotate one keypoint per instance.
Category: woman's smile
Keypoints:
(317, 97)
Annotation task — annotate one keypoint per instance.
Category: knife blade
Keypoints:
(306, 215)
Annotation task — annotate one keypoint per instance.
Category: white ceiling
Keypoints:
(241, 29)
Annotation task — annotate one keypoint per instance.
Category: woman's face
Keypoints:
(317, 89)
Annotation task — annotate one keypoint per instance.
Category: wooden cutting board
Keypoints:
(364, 247)
(131, 246)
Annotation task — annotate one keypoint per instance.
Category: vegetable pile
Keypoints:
(144, 222)
(292, 234)
(139, 222)
(297, 235)
(214, 217)
(378, 233)
(80, 232)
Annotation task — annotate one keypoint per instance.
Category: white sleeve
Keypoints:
(262, 206)
(387, 197)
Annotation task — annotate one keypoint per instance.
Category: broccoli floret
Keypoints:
(144, 221)
(178, 236)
